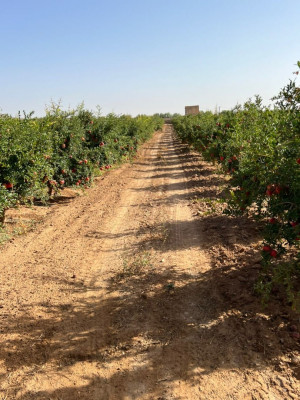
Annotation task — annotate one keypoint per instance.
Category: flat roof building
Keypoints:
(191, 110)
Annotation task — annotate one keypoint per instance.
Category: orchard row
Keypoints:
(259, 148)
(39, 156)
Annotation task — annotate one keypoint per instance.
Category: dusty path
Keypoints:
(117, 295)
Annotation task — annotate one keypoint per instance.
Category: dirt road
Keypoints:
(142, 289)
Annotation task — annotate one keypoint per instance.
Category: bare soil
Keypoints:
(140, 288)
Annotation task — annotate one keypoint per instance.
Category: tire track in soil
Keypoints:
(112, 297)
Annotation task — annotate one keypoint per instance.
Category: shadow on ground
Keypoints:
(172, 326)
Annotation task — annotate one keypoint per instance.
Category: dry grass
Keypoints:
(134, 265)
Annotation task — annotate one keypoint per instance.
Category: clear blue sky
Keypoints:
(145, 56)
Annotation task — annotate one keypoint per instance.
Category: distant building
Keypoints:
(191, 110)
